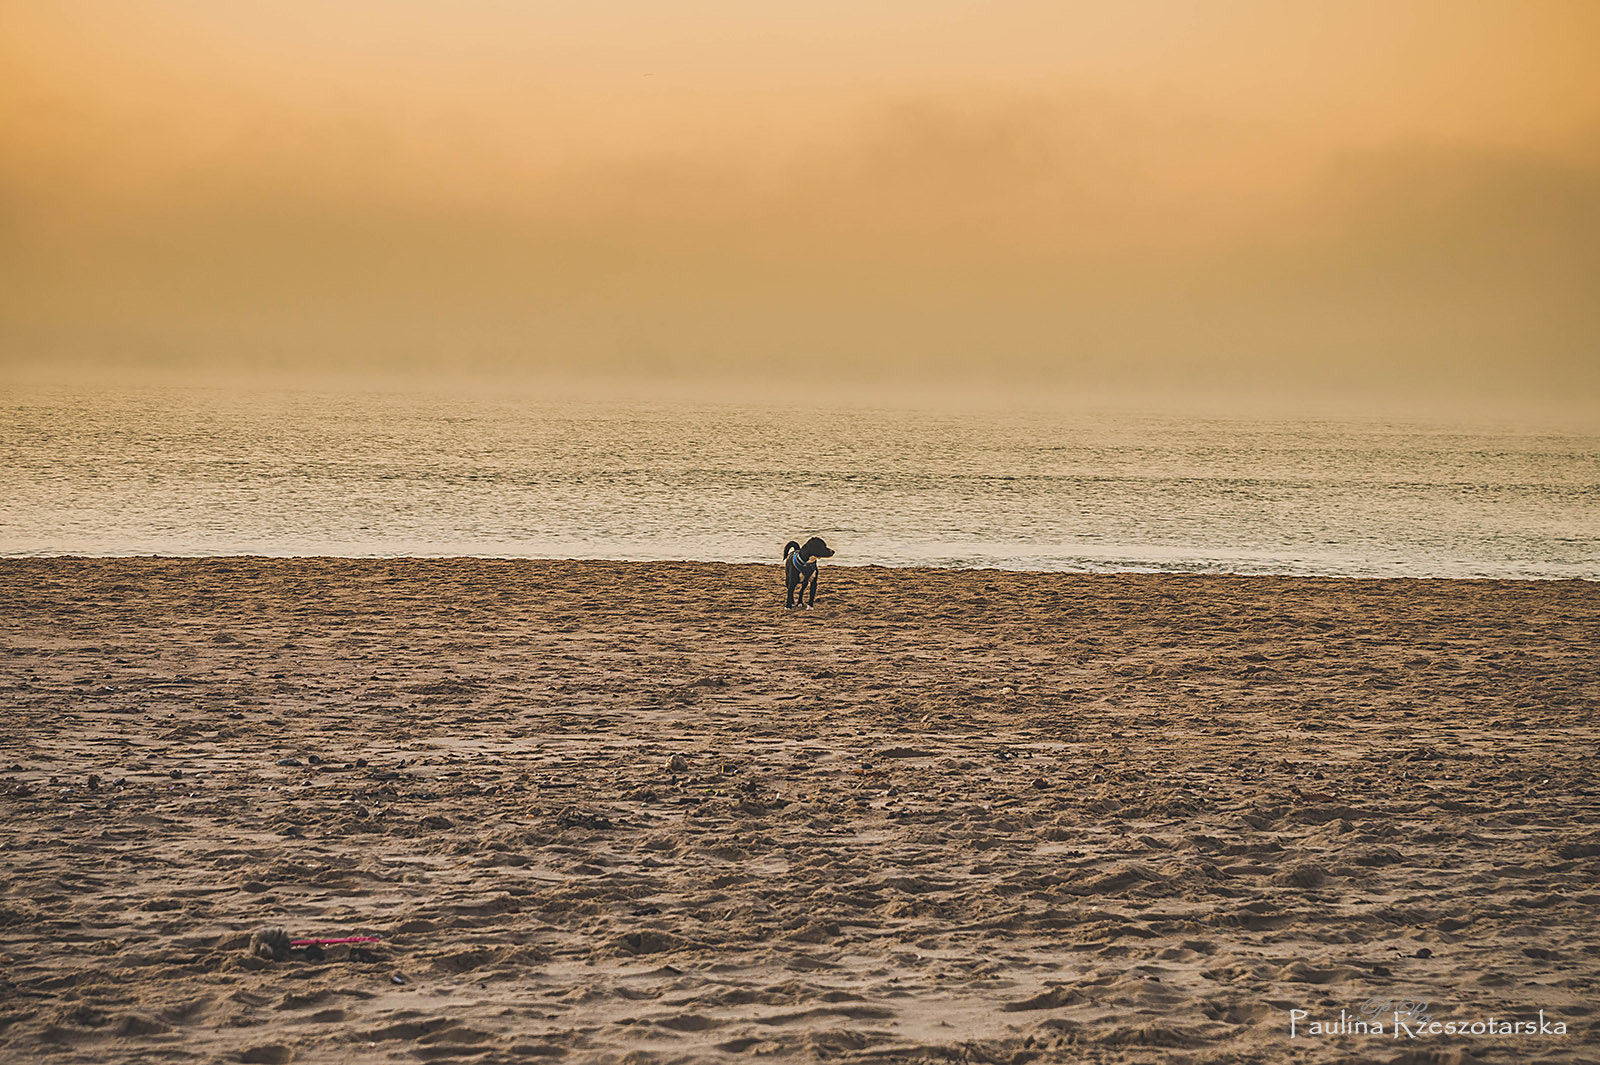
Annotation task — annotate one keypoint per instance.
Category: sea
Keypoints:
(207, 472)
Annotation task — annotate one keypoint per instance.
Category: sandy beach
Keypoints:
(638, 812)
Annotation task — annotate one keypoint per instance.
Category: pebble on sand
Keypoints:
(271, 943)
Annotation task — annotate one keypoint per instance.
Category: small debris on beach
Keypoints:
(271, 943)
(572, 817)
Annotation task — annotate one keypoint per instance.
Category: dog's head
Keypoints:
(816, 547)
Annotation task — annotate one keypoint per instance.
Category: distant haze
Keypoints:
(1380, 200)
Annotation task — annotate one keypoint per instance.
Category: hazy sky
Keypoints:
(1162, 195)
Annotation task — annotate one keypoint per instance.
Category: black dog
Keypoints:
(800, 568)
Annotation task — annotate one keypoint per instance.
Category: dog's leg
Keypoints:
(815, 574)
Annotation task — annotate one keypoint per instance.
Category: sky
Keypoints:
(1392, 200)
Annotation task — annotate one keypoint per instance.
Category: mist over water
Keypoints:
(210, 472)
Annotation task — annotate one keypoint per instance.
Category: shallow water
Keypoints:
(204, 472)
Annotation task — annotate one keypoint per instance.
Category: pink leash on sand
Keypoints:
(334, 942)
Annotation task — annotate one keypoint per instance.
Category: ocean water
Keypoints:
(203, 472)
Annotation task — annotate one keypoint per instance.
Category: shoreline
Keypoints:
(600, 810)
(778, 563)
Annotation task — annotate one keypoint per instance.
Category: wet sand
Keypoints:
(630, 812)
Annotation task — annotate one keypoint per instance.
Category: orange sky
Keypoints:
(1155, 195)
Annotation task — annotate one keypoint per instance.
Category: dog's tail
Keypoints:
(792, 545)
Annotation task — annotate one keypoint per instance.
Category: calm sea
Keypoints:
(199, 472)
